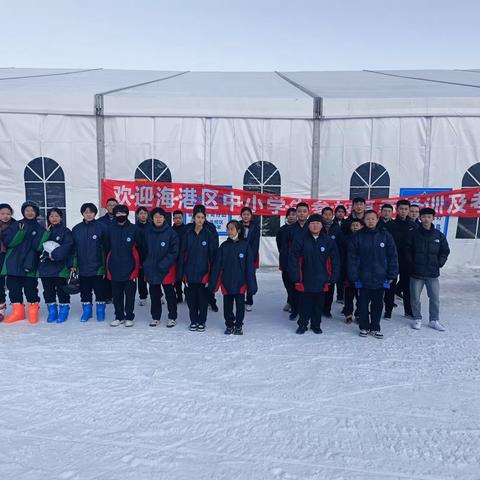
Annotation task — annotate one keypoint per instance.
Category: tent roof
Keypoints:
(241, 94)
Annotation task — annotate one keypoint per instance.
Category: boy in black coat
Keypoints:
(6, 219)
(426, 252)
(123, 263)
(252, 234)
(142, 222)
(372, 265)
(313, 264)
(234, 272)
(281, 238)
(179, 228)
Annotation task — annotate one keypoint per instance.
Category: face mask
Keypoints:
(121, 219)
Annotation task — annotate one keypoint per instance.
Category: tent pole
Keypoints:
(100, 146)
(428, 152)
(315, 159)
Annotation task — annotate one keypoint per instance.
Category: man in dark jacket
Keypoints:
(294, 231)
(333, 230)
(426, 253)
(142, 222)
(88, 260)
(123, 263)
(313, 264)
(179, 228)
(386, 213)
(281, 238)
(372, 265)
(109, 217)
(358, 212)
(401, 229)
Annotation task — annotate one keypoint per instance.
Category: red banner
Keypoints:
(229, 201)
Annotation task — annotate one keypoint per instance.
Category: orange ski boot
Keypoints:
(17, 314)
(33, 309)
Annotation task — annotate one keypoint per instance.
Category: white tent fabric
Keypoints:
(423, 127)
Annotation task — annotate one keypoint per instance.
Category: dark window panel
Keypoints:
(35, 192)
(467, 228)
(358, 192)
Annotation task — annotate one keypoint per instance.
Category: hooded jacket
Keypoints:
(56, 266)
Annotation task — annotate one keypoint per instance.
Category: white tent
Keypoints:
(294, 133)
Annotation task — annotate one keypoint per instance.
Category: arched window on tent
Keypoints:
(45, 185)
(370, 180)
(264, 177)
(154, 170)
(470, 227)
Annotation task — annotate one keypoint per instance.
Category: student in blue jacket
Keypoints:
(123, 263)
(372, 266)
(197, 254)
(53, 268)
(142, 221)
(6, 219)
(161, 246)
(22, 240)
(313, 265)
(252, 235)
(91, 245)
(234, 273)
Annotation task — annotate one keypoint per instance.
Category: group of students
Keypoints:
(367, 257)
(112, 257)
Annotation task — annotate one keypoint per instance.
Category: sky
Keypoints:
(240, 35)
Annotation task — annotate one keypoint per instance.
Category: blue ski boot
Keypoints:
(63, 312)
(100, 311)
(87, 312)
(52, 312)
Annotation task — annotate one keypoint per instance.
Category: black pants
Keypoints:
(108, 290)
(142, 285)
(234, 319)
(310, 308)
(53, 289)
(210, 298)
(124, 299)
(327, 306)
(156, 301)
(350, 294)
(96, 284)
(3, 296)
(248, 298)
(197, 301)
(370, 302)
(340, 291)
(178, 290)
(19, 285)
(289, 287)
(403, 285)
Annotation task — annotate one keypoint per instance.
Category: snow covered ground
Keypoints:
(87, 401)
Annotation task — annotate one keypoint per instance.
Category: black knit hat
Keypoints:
(123, 209)
(316, 217)
(427, 211)
(29, 203)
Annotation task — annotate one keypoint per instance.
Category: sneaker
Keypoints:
(377, 334)
(201, 327)
(154, 323)
(363, 333)
(129, 323)
(387, 316)
(317, 330)
(193, 327)
(171, 322)
(228, 331)
(301, 330)
(248, 308)
(142, 302)
(417, 324)
(238, 331)
(436, 325)
(116, 322)
(287, 308)
(349, 319)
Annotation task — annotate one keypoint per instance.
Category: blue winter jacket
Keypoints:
(57, 266)
(292, 232)
(123, 258)
(23, 245)
(253, 239)
(91, 246)
(161, 247)
(372, 259)
(313, 263)
(234, 269)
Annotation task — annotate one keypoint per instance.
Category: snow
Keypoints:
(87, 401)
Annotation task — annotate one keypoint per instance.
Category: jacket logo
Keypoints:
(382, 244)
(162, 244)
(57, 238)
(34, 233)
(204, 243)
(241, 255)
(129, 239)
(94, 237)
(322, 249)
(437, 240)
(333, 237)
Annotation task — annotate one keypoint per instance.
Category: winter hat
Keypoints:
(316, 217)
(427, 211)
(6, 205)
(90, 206)
(199, 208)
(123, 209)
(29, 203)
(158, 210)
